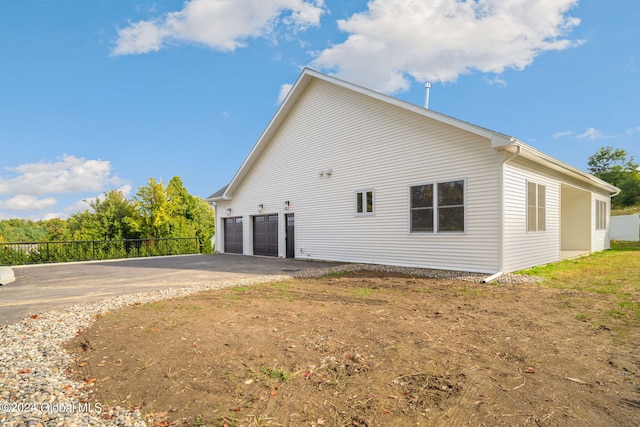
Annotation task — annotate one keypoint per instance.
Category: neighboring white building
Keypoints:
(343, 173)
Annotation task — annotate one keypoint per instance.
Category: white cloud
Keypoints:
(592, 134)
(284, 91)
(439, 40)
(219, 24)
(562, 134)
(68, 175)
(23, 202)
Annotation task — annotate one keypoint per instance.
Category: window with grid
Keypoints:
(536, 207)
(437, 207)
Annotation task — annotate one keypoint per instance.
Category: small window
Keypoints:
(437, 207)
(536, 207)
(364, 202)
(601, 215)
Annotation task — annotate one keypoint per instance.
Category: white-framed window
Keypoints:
(536, 207)
(601, 215)
(364, 202)
(438, 207)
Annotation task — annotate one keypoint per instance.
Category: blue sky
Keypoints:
(104, 94)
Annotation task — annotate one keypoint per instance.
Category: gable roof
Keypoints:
(498, 140)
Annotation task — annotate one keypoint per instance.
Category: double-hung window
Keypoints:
(364, 202)
(536, 207)
(437, 207)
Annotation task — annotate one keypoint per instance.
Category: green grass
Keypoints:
(614, 272)
(363, 293)
(278, 374)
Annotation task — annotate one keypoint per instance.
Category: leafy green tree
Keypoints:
(21, 230)
(155, 211)
(57, 230)
(151, 204)
(611, 165)
(110, 218)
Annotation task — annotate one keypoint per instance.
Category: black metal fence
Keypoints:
(20, 253)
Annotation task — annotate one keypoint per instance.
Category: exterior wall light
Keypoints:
(286, 205)
(260, 207)
(228, 211)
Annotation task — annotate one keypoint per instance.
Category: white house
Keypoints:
(343, 173)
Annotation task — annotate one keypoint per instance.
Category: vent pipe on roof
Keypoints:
(427, 87)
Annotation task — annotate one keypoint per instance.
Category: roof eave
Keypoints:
(543, 159)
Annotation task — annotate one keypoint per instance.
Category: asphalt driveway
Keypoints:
(41, 288)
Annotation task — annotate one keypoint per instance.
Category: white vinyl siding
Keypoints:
(570, 214)
(523, 248)
(371, 144)
(600, 236)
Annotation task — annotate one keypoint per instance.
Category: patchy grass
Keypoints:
(625, 211)
(614, 272)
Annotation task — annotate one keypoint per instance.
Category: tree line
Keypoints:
(612, 165)
(156, 211)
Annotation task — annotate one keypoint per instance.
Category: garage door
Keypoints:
(233, 235)
(265, 235)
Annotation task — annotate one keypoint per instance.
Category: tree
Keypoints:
(57, 229)
(151, 205)
(110, 218)
(611, 165)
(171, 211)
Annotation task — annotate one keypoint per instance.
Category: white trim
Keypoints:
(364, 202)
(537, 206)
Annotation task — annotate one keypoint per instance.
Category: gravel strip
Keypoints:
(35, 389)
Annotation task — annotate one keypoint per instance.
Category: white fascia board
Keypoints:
(543, 159)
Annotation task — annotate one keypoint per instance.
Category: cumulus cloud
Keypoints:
(30, 189)
(284, 91)
(219, 24)
(23, 202)
(439, 40)
(69, 174)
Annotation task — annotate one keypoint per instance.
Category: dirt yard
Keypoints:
(369, 349)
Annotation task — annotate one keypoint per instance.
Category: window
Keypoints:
(601, 215)
(364, 202)
(536, 207)
(437, 207)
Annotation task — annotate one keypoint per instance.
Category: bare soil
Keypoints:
(369, 349)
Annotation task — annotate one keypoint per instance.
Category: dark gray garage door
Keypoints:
(265, 235)
(233, 235)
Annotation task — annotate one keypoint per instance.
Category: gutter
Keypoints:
(502, 232)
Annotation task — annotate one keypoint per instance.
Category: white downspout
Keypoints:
(502, 232)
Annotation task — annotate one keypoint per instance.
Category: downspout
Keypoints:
(502, 232)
